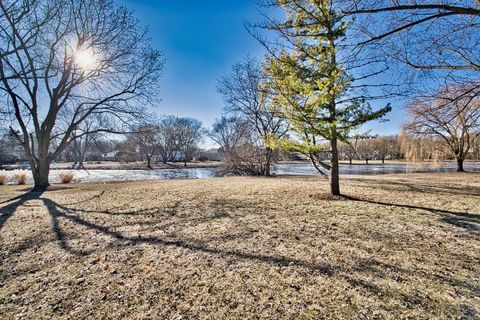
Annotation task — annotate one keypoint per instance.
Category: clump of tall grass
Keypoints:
(20, 177)
(3, 178)
(66, 177)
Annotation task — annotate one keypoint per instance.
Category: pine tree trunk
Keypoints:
(334, 170)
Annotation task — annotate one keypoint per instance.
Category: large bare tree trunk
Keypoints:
(460, 164)
(40, 174)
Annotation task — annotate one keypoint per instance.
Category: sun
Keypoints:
(85, 59)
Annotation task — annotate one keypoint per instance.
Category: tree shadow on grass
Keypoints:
(421, 186)
(7, 211)
(367, 268)
(467, 221)
(58, 211)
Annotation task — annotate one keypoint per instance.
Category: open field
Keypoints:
(400, 246)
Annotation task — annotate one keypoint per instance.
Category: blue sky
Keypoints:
(202, 40)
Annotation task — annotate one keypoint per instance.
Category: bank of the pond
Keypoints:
(208, 172)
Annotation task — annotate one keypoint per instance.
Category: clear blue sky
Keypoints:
(202, 39)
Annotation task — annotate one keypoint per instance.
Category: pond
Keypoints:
(279, 169)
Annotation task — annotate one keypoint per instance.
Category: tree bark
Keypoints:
(149, 162)
(460, 165)
(334, 170)
(40, 174)
(268, 160)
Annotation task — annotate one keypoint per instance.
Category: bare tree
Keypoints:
(84, 138)
(429, 43)
(424, 34)
(365, 149)
(385, 147)
(167, 138)
(229, 132)
(348, 151)
(145, 139)
(189, 133)
(79, 59)
(244, 97)
(446, 117)
(417, 148)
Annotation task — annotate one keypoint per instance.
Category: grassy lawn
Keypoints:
(401, 246)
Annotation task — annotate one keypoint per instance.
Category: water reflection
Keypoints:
(373, 169)
(279, 169)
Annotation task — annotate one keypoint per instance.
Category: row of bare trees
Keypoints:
(368, 148)
(167, 139)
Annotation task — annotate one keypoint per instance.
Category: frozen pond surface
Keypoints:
(206, 173)
(372, 169)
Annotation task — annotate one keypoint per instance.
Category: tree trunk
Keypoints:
(460, 165)
(366, 161)
(334, 170)
(149, 162)
(80, 164)
(40, 174)
(350, 160)
(383, 160)
(268, 160)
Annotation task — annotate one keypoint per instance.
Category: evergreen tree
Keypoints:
(310, 81)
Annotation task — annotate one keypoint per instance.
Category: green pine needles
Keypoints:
(309, 81)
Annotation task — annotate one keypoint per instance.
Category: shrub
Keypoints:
(21, 177)
(66, 177)
(3, 178)
(245, 160)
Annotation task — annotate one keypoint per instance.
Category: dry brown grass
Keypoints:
(66, 177)
(3, 179)
(408, 246)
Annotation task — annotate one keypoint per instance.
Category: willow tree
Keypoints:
(71, 60)
(311, 71)
(446, 118)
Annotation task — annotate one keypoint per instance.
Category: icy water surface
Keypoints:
(208, 173)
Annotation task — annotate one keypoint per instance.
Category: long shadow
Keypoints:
(473, 216)
(60, 212)
(422, 187)
(462, 220)
(57, 211)
(7, 211)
